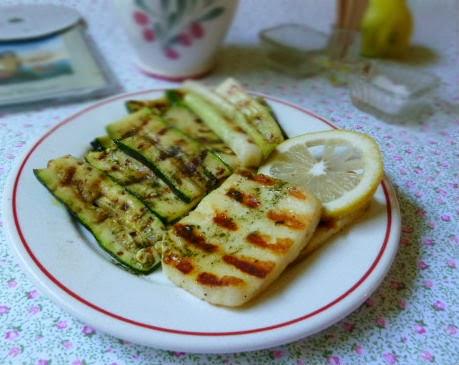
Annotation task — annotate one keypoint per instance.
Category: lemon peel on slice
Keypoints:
(341, 168)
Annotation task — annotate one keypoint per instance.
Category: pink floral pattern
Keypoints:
(411, 319)
(171, 25)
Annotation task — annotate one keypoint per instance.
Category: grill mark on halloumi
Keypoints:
(185, 267)
(223, 220)
(296, 193)
(288, 219)
(261, 240)
(182, 264)
(326, 229)
(209, 279)
(250, 265)
(261, 179)
(244, 198)
(190, 234)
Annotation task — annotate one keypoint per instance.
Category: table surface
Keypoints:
(411, 319)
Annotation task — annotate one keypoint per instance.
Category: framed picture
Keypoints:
(59, 67)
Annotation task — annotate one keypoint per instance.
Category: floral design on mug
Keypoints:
(175, 24)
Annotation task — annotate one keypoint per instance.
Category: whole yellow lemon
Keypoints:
(386, 28)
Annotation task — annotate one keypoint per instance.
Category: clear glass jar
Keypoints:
(294, 49)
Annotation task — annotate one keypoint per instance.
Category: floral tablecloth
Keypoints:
(413, 318)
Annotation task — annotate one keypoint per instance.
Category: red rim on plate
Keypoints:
(82, 300)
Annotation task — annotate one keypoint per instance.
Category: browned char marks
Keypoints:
(162, 131)
(182, 264)
(259, 178)
(251, 266)
(88, 192)
(223, 220)
(101, 216)
(281, 245)
(185, 267)
(297, 193)
(328, 224)
(102, 155)
(246, 199)
(208, 279)
(288, 219)
(189, 234)
(143, 122)
(67, 176)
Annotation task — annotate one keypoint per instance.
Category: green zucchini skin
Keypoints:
(142, 182)
(247, 152)
(264, 104)
(256, 114)
(132, 124)
(167, 164)
(175, 97)
(120, 223)
(213, 166)
(229, 111)
(182, 118)
(102, 143)
(185, 165)
(147, 138)
(133, 106)
(156, 105)
(176, 114)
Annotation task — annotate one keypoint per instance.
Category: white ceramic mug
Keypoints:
(176, 39)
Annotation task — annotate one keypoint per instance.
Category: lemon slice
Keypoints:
(341, 168)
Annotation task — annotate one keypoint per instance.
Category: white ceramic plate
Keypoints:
(67, 266)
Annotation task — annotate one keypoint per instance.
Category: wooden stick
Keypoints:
(341, 12)
(348, 13)
(357, 11)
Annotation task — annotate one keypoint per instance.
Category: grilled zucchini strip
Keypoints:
(255, 113)
(182, 118)
(170, 150)
(176, 114)
(176, 172)
(228, 110)
(132, 124)
(102, 143)
(121, 224)
(248, 153)
(156, 105)
(129, 134)
(140, 181)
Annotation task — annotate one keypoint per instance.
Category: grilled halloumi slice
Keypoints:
(240, 238)
(327, 229)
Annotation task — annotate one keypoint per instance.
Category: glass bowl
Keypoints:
(391, 89)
